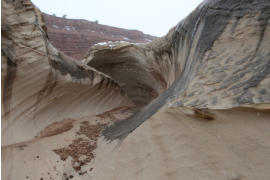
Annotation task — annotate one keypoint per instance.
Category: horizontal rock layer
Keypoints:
(74, 37)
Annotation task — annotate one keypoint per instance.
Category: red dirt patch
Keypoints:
(90, 131)
(81, 149)
(56, 128)
(81, 152)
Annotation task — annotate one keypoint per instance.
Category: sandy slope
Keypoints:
(173, 145)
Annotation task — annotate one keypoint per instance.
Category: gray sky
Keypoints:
(153, 17)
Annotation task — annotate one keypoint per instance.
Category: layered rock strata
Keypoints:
(193, 104)
(75, 36)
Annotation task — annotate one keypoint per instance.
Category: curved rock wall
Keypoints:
(142, 70)
(193, 104)
(212, 74)
(41, 85)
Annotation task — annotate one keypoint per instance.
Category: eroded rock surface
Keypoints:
(193, 104)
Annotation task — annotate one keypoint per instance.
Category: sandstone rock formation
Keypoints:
(194, 104)
(74, 36)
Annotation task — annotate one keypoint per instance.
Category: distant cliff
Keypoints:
(75, 36)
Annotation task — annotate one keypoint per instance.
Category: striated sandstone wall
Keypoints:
(193, 104)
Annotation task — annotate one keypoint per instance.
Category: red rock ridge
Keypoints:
(75, 36)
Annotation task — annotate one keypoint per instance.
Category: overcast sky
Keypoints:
(153, 17)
